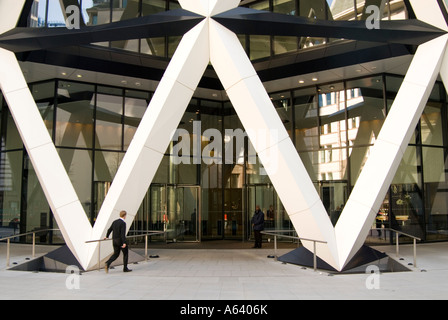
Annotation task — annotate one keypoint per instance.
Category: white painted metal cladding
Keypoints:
(208, 42)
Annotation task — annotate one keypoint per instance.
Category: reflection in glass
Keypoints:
(135, 104)
(261, 5)
(260, 47)
(125, 9)
(10, 191)
(96, 12)
(74, 115)
(43, 94)
(264, 195)
(153, 46)
(332, 160)
(431, 124)
(306, 119)
(56, 14)
(436, 193)
(11, 139)
(282, 103)
(406, 196)
(38, 14)
(285, 6)
(366, 110)
(233, 171)
(366, 115)
(333, 126)
(78, 164)
(38, 214)
(109, 118)
(212, 176)
(173, 43)
(153, 6)
(106, 167)
(334, 195)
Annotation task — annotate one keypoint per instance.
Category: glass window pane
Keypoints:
(56, 14)
(173, 43)
(10, 190)
(74, 115)
(285, 6)
(109, 118)
(153, 46)
(285, 44)
(334, 196)
(125, 9)
(333, 131)
(44, 96)
(153, 6)
(11, 139)
(174, 5)
(341, 10)
(431, 124)
(136, 103)
(38, 213)
(313, 9)
(96, 12)
(260, 47)
(366, 110)
(306, 120)
(106, 167)
(128, 45)
(393, 84)
(38, 14)
(406, 196)
(436, 195)
(78, 164)
(261, 5)
(282, 103)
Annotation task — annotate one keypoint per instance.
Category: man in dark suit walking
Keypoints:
(118, 228)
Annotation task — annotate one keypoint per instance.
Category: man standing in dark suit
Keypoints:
(258, 226)
(118, 228)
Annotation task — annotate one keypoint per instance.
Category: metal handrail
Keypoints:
(146, 235)
(8, 242)
(275, 234)
(397, 244)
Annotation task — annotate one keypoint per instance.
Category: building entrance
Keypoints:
(266, 197)
(176, 210)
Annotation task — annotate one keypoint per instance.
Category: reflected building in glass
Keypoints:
(333, 96)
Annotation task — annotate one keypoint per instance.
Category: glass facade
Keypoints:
(51, 13)
(333, 127)
(212, 193)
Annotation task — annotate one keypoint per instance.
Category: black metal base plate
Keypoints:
(365, 257)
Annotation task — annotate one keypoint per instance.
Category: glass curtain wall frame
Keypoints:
(421, 177)
(49, 13)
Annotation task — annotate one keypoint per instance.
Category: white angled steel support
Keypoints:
(53, 177)
(365, 200)
(155, 132)
(271, 141)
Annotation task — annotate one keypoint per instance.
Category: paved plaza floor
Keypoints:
(228, 274)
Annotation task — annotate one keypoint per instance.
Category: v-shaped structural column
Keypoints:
(370, 190)
(155, 131)
(271, 141)
(61, 196)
